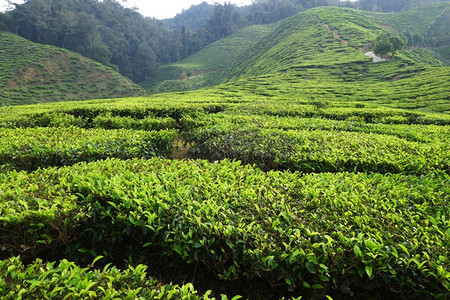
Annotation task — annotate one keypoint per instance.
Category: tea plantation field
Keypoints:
(298, 181)
(330, 194)
(202, 68)
(35, 73)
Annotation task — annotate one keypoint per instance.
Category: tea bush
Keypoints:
(359, 204)
(311, 231)
(319, 150)
(31, 148)
(66, 280)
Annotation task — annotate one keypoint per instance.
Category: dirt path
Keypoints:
(375, 58)
(183, 151)
(336, 34)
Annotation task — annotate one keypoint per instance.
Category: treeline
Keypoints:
(104, 31)
(193, 18)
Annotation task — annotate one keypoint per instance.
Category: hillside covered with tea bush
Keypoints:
(34, 73)
(307, 172)
(315, 39)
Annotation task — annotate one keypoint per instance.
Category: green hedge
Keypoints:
(31, 148)
(410, 132)
(135, 113)
(319, 150)
(302, 231)
(149, 123)
(321, 108)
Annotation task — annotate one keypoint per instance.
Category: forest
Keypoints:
(134, 45)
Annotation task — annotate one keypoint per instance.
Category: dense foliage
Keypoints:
(43, 147)
(192, 19)
(388, 43)
(41, 280)
(315, 231)
(280, 226)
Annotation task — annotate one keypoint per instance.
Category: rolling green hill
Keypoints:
(319, 55)
(32, 73)
(317, 38)
(414, 21)
(431, 23)
(201, 68)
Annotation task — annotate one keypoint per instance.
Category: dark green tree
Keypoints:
(388, 43)
(4, 20)
(225, 21)
(382, 46)
(192, 19)
(397, 44)
(418, 40)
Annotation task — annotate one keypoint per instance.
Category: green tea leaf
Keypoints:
(369, 271)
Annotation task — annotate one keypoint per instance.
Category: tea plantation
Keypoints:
(203, 67)
(35, 73)
(321, 178)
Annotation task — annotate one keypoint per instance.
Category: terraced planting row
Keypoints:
(32, 148)
(409, 132)
(320, 151)
(274, 135)
(357, 229)
(414, 87)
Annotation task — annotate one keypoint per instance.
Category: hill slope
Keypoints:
(199, 69)
(429, 25)
(32, 73)
(319, 55)
(317, 38)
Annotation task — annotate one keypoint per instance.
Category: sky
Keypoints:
(169, 8)
(156, 8)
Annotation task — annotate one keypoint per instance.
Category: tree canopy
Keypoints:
(388, 43)
(104, 31)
